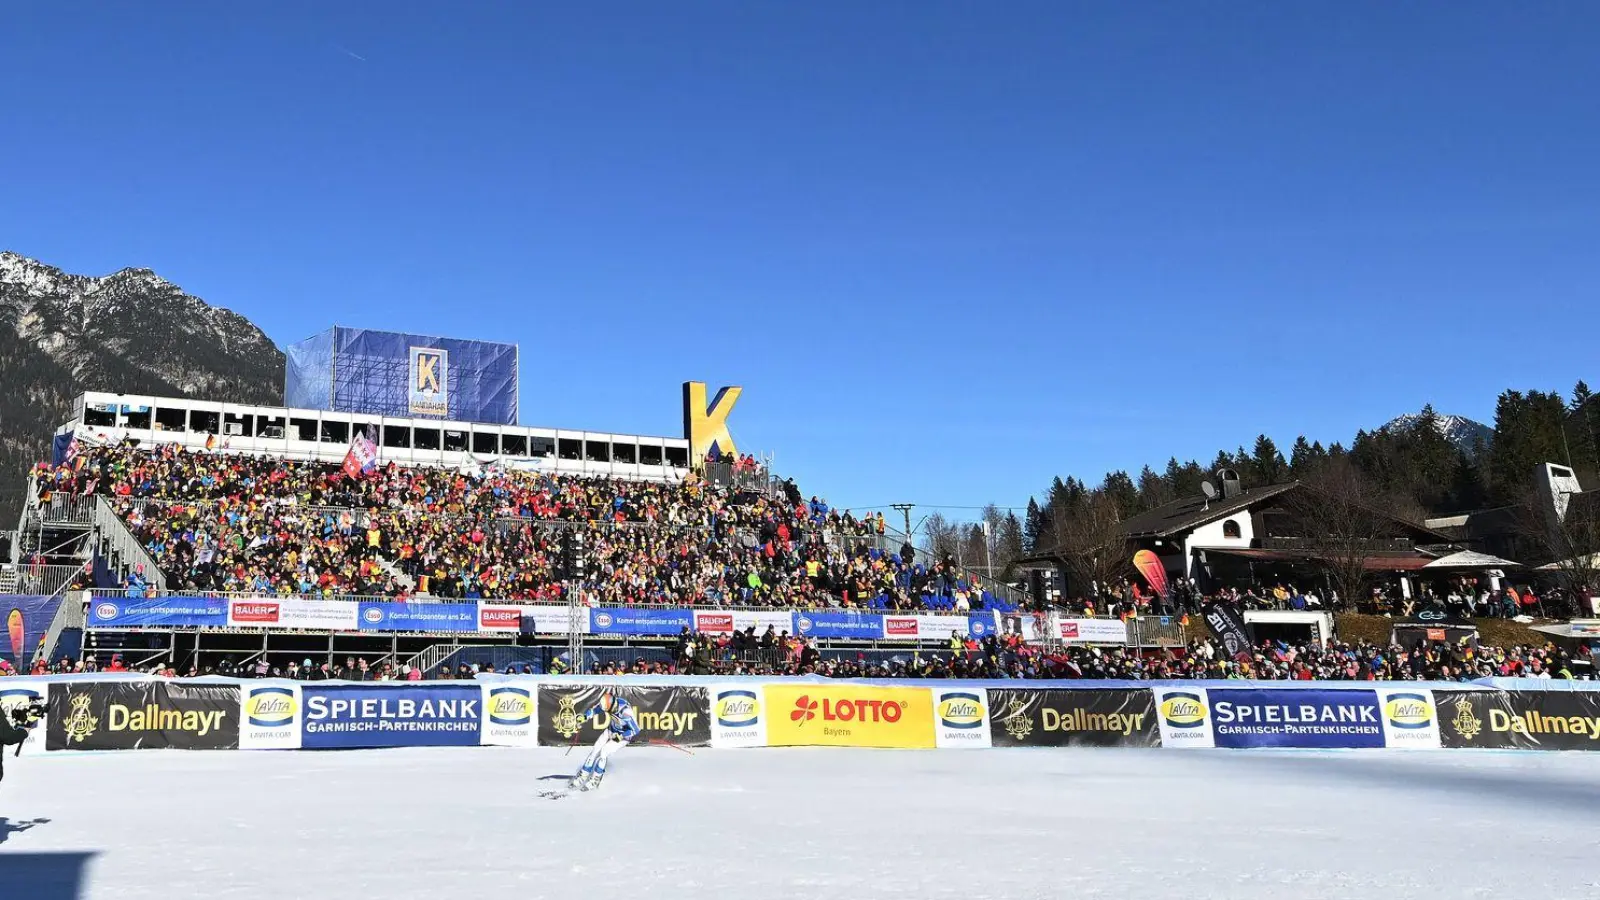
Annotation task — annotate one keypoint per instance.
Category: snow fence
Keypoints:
(135, 712)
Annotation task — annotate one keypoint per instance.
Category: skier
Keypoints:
(622, 728)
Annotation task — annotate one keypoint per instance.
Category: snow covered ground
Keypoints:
(466, 822)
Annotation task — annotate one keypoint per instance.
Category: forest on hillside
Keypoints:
(1414, 471)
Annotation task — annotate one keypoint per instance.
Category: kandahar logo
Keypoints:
(566, 721)
(512, 706)
(1465, 721)
(961, 710)
(270, 707)
(1182, 709)
(1018, 724)
(738, 709)
(1408, 711)
(80, 724)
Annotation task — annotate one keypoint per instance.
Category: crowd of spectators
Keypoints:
(234, 522)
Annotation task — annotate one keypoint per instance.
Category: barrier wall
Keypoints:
(101, 713)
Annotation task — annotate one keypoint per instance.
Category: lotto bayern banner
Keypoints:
(288, 612)
(836, 714)
(391, 715)
(626, 620)
(164, 612)
(389, 616)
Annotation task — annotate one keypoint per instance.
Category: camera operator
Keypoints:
(14, 729)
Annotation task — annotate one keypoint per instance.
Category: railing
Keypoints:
(70, 614)
(121, 549)
(41, 579)
(1397, 546)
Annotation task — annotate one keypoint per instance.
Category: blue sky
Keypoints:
(950, 249)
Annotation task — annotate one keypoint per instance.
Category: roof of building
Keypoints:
(1189, 513)
(1377, 562)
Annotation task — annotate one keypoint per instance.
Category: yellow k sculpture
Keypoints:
(707, 426)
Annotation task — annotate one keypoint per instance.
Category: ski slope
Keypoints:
(466, 823)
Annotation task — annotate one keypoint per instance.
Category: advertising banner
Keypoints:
(18, 692)
(508, 715)
(381, 715)
(143, 715)
(547, 619)
(627, 620)
(719, 621)
(981, 625)
(961, 718)
(1229, 628)
(388, 616)
(1410, 719)
(1073, 718)
(269, 715)
(939, 628)
(288, 612)
(165, 612)
(1184, 717)
(670, 715)
(737, 718)
(1092, 631)
(499, 617)
(902, 628)
(839, 624)
(1298, 717)
(841, 715)
(1525, 720)
(28, 618)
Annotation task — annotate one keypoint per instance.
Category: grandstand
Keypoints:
(202, 532)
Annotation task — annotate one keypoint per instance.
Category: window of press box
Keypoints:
(205, 421)
(270, 427)
(396, 436)
(99, 418)
(678, 457)
(649, 455)
(303, 430)
(597, 451)
(624, 453)
(425, 438)
(569, 448)
(482, 441)
(540, 447)
(455, 441)
(335, 432)
(169, 419)
(514, 444)
(370, 429)
(138, 417)
(235, 425)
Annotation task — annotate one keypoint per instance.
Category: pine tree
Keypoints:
(1036, 529)
(1268, 463)
(1154, 490)
(1582, 438)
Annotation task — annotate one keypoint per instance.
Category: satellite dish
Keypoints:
(1209, 490)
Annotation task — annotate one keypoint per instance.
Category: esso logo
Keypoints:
(602, 620)
(979, 629)
(105, 611)
(373, 615)
(803, 623)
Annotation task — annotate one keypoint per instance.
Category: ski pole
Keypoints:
(661, 743)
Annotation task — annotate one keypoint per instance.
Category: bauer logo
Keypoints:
(270, 707)
(1181, 709)
(510, 706)
(1408, 711)
(961, 710)
(373, 615)
(738, 709)
(499, 617)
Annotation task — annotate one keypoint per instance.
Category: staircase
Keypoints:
(404, 580)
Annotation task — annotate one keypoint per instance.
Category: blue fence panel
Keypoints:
(163, 612)
(358, 715)
(1254, 717)
(622, 620)
(824, 624)
(386, 616)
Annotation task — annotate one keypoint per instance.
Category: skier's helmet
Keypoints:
(608, 701)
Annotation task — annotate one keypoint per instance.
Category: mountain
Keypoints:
(131, 331)
(1465, 434)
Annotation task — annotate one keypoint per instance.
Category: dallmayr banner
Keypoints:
(842, 715)
(143, 715)
(1527, 720)
(669, 715)
(1073, 718)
